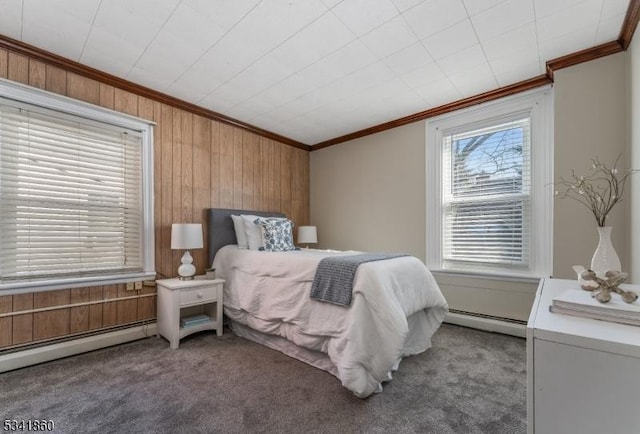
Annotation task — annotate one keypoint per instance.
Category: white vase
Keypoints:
(605, 257)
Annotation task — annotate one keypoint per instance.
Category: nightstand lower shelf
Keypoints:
(188, 330)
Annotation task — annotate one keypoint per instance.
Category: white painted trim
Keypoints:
(542, 195)
(29, 286)
(486, 276)
(33, 356)
(13, 93)
(434, 197)
(53, 101)
(148, 240)
(487, 324)
(539, 104)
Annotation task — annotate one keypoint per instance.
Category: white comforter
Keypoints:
(396, 308)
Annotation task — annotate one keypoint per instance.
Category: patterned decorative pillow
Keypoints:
(278, 234)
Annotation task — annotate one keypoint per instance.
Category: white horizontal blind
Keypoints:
(70, 195)
(487, 195)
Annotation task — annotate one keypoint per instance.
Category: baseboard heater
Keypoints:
(20, 357)
(489, 323)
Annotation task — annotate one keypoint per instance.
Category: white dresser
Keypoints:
(583, 375)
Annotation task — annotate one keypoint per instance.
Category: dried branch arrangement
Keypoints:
(599, 190)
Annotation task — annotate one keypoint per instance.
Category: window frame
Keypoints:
(539, 104)
(68, 107)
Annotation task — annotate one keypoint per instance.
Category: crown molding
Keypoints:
(551, 66)
(626, 34)
(627, 31)
(630, 24)
(436, 111)
(32, 52)
(583, 56)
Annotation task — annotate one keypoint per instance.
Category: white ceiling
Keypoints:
(312, 70)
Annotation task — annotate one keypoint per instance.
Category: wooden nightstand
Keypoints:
(179, 300)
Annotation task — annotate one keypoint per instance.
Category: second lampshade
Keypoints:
(307, 235)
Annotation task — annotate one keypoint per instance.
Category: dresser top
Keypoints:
(580, 332)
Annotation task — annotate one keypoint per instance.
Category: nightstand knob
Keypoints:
(199, 295)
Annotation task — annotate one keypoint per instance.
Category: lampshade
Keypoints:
(186, 236)
(307, 234)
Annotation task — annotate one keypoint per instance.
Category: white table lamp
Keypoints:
(307, 235)
(186, 236)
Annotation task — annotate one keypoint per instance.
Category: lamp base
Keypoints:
(187, 269)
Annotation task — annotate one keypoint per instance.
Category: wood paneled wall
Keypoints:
(199, 163)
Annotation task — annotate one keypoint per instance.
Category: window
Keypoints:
(489, 187)
(75, 202)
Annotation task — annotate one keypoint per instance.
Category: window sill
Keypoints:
(28, 286)
(487, 276)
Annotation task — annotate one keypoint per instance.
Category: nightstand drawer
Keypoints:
(198, 295)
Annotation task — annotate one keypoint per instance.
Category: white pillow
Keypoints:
(253, 231)
(241, 235)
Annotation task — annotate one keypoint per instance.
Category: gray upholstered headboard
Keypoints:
(221, 230)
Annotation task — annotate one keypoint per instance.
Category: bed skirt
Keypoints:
(314, 358)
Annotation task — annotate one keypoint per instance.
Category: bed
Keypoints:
(395, 309)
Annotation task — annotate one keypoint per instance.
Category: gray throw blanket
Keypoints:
(333, 281)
